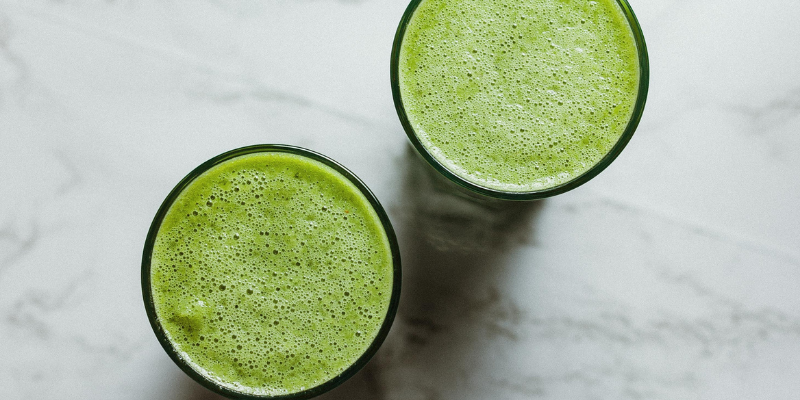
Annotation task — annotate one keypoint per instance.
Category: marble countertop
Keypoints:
(672, 275)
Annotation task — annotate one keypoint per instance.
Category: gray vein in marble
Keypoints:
(637, 384)
(704, 230)
(761, 322)
(536, 385)
(74, 178)
(245, 9)
(16, 244)
(786, 105)
(238, 90)
(731, 325)
(30, 311)
(765, 121)
(256, 89)
(20, 69)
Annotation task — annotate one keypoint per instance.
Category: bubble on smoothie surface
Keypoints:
(271, 273)
(518, 95)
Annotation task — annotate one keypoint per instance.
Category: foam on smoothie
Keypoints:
(518, 95)
(271, 273)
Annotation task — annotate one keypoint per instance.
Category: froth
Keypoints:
(518, 96)
(271, 273)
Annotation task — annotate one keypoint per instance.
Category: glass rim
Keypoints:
(627, 134)
(156, 224)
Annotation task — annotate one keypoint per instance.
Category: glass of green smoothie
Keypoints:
(271, 272)
(519, 100)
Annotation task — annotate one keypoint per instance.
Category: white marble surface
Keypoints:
(672, 275)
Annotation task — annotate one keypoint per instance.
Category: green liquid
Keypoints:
(271, 273)
(516, 95)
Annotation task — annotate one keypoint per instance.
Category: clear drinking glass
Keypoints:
(644, 77)
(150, 242)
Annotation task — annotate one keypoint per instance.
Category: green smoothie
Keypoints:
(518, 96)
(271, 273)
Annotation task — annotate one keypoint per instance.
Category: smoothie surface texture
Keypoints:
(518, 96)
(271, 273)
